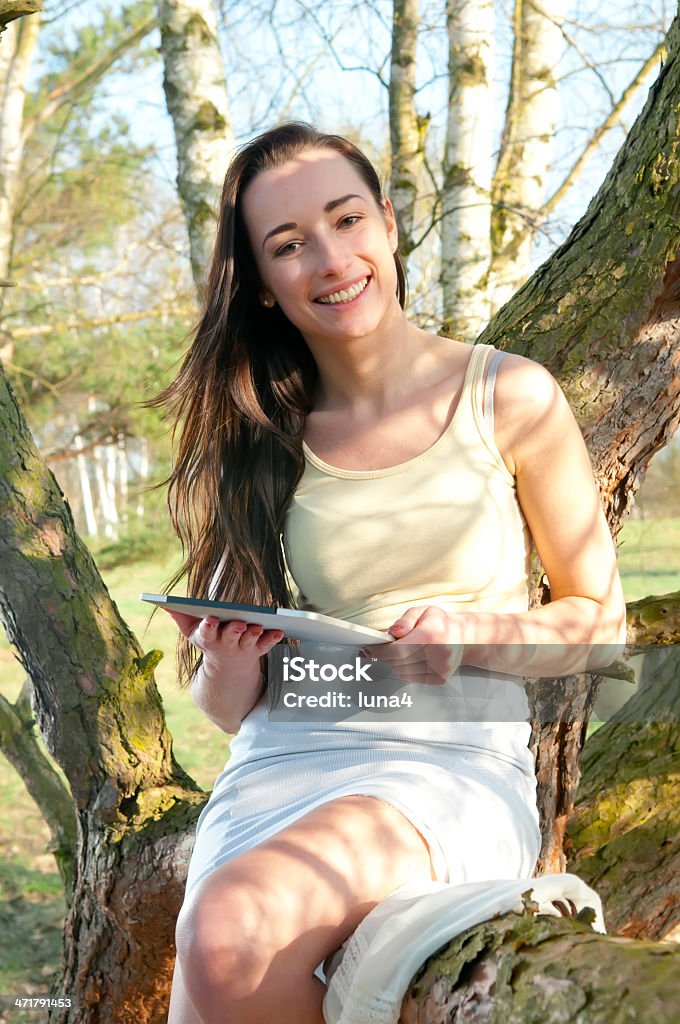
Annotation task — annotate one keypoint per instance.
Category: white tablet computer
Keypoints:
(298, 625)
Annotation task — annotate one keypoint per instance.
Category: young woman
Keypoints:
(397, 478)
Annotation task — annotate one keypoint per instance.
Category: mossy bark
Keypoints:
(102, 720)
(523, 970)
(624, 836)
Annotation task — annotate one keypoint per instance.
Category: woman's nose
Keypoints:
(332, 255)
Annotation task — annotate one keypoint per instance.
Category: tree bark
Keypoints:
(615, 356)
(524, 970)
(465, 198)
(625, 842)
(196, 96)
(12, 9)
(624, 836)
(406, 128)
(101, 717)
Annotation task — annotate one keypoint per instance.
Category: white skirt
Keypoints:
(477, 812)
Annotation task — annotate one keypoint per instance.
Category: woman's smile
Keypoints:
(346, 294)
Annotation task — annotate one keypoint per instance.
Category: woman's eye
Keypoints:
(289, 247)
(350, 219)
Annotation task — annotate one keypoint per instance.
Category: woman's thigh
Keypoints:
(302, 892)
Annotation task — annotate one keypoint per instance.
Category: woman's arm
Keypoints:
(584, 625)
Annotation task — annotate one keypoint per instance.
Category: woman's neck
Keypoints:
(368, 376)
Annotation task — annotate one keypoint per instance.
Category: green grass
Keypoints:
(649, 557)
(31, 901)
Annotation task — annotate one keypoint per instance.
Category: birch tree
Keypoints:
(16, 52)
(467, 167)
(196, 96)
(521, 175)
(406, 127)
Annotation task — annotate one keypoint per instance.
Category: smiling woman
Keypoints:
(334, 456)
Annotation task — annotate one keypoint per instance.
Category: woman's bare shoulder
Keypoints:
(524, 395)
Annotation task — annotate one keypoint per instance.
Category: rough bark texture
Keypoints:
(101, 717)
(519, 183)
(518, 969)
(624, 837)
(196, 96)
(12, 9)
(654, 620)
(465, 198)
(406, 129)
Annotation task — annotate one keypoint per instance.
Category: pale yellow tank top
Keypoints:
(444, 528)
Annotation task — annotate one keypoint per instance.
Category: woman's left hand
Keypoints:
(428, 646)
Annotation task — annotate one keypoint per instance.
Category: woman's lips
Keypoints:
(345, 303)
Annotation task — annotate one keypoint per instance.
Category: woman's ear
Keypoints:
(391, 223)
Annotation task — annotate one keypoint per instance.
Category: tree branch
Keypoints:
(81, 321)
(609, 122)
(69, 91)
(19, 744)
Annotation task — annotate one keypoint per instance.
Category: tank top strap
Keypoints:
(475, 392)
(479, 396)
(492, 366)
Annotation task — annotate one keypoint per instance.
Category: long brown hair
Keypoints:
(240, 400)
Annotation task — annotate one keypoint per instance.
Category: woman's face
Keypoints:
(323, 247)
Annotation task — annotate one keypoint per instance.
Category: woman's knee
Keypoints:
(221, 941)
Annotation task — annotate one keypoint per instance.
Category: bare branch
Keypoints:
(609, 122)
(69, 91)
(82, 322)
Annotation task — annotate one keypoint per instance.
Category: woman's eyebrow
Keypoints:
(330, 205)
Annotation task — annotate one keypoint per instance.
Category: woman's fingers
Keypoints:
(211, 634)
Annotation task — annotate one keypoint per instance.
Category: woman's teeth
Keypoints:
(346, 296)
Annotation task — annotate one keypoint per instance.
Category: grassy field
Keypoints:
(31, 901)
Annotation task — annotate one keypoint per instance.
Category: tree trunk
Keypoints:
(196, 96)
(101, 717)
(625, 842)
(465, 198)
(520, 179)
(16, 52)
(406, 129)
(615, 354)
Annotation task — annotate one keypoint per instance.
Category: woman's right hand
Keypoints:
(226, 643)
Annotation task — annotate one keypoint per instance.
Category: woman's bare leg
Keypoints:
(250, 935)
